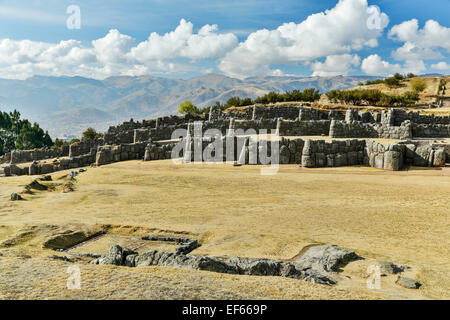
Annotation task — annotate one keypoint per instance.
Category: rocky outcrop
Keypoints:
(116, 256)
(408, 283)
(317, 265)
(15, 197)
(390, 267)
(327, 258)
(187, 247)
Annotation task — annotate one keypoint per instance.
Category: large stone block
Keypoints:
(284, 155)
(33, 169)
(352, 158)
(392, 160)
(379, 161)
(340, 160)
(46, 168)
(321, 160)
(421, 156)
(439, 158)
(308, 161)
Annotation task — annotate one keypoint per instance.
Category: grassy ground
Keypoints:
(234, 211)
(425, 97)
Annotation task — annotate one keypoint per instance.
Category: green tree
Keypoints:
(392, 81)
(90, 134)
(188, 107)
(398, 76)
(59, 143)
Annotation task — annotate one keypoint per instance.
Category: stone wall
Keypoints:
(388, 157)
(393, 132)
(318, 153)
(424, 155)
(357, 129)
(109, 154)
(124, 133)
(246, 150)
(446, 148)
(400, 115)
(352, 129)
(37, 168)
(305, 128)
(24, 156)
(286, 112)
(84, 147)
(260, 112)
(395, 156)
(430, 130)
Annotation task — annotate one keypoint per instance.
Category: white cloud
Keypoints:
(113, 47)
(420, 44)
(335, 65)
(444, 66)
(182, 42)
(374, 65)
(336, 31)
(114, 54)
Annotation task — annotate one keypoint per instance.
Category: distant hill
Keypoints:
(68, 105)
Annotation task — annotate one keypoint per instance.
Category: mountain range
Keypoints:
(65, 106)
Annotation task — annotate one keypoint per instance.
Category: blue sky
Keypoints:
(44, 21)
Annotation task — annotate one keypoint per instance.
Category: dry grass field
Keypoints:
(427, 96)
(234, 211)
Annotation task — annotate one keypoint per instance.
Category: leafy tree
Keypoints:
(411, 75)
(90, 134)
(392, 81)
(398, 76)
(188, 107)
(17, 133)
(59, 143)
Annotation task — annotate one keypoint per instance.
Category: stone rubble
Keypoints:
(317, 265)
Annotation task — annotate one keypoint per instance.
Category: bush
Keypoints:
(188, 107)
(372, 97)
(392, 82)
(378, 81)
(418, 84)
(91, 134)
(398, 77)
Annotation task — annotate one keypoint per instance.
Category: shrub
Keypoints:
(392, 82)
(188, 107)
(372, 97)
(418, 84)
(91, 134)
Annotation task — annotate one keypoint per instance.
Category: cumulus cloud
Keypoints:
(374, 65)
(325, 41)
(336, 31)
(114, 54)
(113, 47)
(420, 44)
(182, 42)
(335, 65)
(444, 66)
